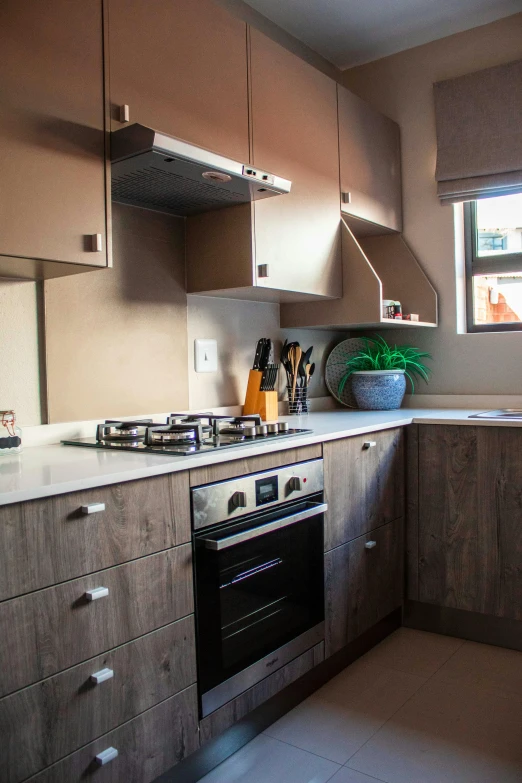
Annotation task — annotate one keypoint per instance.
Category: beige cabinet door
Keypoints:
(294, 126)
(369, 145)
(181, 67)
(52, 169)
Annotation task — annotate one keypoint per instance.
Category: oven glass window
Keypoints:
(256, 596)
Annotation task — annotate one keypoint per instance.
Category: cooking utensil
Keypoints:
(305, 359)
(295, 358)
(257, 357)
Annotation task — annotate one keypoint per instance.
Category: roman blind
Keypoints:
(479, 134)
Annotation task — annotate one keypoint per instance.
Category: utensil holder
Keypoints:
(262, 402)
(297, 400)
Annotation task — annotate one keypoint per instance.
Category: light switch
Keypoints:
(205, 355)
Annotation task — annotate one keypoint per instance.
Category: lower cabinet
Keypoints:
(363, 584)
(139, 750)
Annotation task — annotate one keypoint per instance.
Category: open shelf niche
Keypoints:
(376, 266)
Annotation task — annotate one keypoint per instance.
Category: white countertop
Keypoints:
(41, 471)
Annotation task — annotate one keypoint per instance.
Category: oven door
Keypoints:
(259, 590)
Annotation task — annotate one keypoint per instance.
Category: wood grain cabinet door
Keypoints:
(457, 542)
(181, 67)
(364, 484)
(52, 167)
(294, 131)
(370, 157)
(363, 584)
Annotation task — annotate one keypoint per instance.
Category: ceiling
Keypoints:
(351, 32)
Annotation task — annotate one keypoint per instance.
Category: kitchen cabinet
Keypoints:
(181, 68)
(52, 116)
(469, 519)
(363, 584)
(370, 162)
(364, 477)
(288, 247)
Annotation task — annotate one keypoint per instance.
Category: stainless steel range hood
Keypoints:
(165, 174)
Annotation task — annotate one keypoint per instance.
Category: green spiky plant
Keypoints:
(378, 355)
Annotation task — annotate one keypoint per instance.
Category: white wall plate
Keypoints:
(205, 355)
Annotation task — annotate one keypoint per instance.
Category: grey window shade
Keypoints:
(479, 134)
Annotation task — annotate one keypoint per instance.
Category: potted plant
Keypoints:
(379, 371)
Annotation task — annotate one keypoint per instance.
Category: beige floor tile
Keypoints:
(485, 666)
(265, 760)
(347, 775)
(447, 733)
(339, 718)
(414, 652)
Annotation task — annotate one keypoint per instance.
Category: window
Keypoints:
(493, 232)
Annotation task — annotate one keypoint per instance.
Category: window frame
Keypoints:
(476, 265)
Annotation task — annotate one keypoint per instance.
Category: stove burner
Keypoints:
(122, 430)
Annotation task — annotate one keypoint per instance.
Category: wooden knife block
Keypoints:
(256, 401)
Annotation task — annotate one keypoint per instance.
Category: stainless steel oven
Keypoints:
(258, 546)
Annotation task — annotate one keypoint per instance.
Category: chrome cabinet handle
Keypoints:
(96, 243)
(370, 545)
(101, 676)
(93, 508)
(369, 444)
(124, 113)
(96, 592)
(109, 754)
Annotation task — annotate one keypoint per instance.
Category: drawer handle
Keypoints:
(93, 508)
(96, 592)
(369, 444)
(370, 545)
(109, 754)
(101, 676)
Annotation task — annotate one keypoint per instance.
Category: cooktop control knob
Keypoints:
(238, 500)
(294, 485)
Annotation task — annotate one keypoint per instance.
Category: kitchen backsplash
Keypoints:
(121, 341)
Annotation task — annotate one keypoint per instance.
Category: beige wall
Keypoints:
(401, 87)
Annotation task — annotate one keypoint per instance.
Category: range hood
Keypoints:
(165, 174)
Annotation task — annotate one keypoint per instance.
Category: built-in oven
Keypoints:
(258, 546)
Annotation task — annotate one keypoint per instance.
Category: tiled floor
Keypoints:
(419, 708)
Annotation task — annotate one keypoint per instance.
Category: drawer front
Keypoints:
(242, 467)
(220, 720)
(364, 484)
(147, 746)
(363, 584)
(47, 541)
(49, 630)
(62, 713)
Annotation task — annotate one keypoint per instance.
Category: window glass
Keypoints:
(499, 225)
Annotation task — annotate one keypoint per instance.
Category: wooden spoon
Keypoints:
(295, 358)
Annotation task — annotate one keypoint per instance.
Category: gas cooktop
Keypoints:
(185, 434)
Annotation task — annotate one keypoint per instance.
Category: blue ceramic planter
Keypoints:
(379, 390)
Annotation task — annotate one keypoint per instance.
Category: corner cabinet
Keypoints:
(181, 68)
(370, 158)
(288, 247)
(52, 117)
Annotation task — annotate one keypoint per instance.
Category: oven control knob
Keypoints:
(294, 485)
(238, 500)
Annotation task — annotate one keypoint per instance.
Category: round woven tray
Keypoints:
(336, 368)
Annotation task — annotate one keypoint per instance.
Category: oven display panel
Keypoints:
(266, 490)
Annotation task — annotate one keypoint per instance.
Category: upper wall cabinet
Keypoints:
(287, 247)
(369, 145)
(181, 68)
(52, 168)
(294, 125)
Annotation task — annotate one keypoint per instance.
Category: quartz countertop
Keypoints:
(42, 471)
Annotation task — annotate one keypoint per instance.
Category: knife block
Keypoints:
(256, 401)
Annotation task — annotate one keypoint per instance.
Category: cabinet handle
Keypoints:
(370, 545)
(96, 592)
(109, 754)
(262, 270)
(125, 113)
(93, 508)
(96, 243)
(369, 444)
(101, 676)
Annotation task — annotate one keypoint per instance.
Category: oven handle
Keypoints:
(246, 535)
